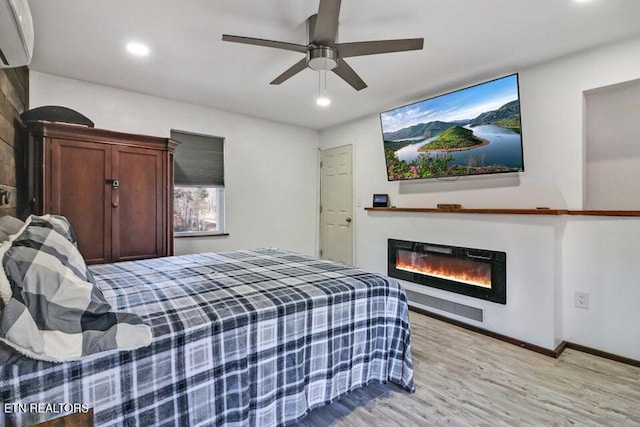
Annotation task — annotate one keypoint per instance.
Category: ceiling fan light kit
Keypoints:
(323, 58)
(323, 99)
(323, 53)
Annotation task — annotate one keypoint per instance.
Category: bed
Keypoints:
(250, 337)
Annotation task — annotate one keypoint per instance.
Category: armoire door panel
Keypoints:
(77, 191)
(138, 218)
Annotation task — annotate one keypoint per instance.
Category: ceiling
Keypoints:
(466, 41)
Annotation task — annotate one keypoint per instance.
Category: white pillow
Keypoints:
(53, 311)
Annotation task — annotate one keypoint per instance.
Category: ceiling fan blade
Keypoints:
(347, 74)
(267, 43)
(326, 29)
(348, 50)
(295, 69)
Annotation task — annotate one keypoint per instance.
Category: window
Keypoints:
(198, 210)
(198, 201)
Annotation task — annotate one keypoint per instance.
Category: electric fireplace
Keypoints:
(478, 273)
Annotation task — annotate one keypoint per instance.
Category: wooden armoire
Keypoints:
(116, 189)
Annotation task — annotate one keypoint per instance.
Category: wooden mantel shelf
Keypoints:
(511, 211)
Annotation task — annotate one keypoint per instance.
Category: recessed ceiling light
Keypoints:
(138, 49)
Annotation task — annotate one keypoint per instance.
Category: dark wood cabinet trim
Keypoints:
(81, 133)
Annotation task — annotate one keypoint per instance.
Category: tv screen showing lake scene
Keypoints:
(471, 131)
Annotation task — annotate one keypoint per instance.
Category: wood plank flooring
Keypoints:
(467, 379)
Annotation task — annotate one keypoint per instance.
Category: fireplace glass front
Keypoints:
(473, 272)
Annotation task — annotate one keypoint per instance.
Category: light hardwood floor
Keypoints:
(466, 379)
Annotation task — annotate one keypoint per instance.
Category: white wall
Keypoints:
(601, 258)
(529, 311)
(540, 305)
(270, 168)
(613, 147)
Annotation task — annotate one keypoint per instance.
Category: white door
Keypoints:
(336, 205)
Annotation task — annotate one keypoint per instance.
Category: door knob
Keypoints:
(348, 219)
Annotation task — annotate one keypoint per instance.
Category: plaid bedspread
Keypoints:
(240, 338)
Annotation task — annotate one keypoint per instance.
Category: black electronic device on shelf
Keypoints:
(380, 200)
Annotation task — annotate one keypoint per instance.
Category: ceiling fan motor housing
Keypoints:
(322, 58)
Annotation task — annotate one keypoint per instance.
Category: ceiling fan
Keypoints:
(322, 50)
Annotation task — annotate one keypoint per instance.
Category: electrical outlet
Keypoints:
(581, 300)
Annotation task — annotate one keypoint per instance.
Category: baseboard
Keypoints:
(555, 353)
(559, 349)
(606, 355)
(523, 344)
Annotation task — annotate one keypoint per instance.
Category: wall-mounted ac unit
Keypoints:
(16, 33)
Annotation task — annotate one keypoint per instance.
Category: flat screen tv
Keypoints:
(471, 131)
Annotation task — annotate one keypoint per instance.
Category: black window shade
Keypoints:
(198, 160)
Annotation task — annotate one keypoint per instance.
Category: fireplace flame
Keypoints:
(477, 274)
